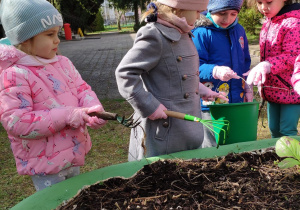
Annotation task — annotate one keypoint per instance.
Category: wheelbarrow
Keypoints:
(127, 122)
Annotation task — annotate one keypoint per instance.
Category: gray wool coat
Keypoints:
(161, 67)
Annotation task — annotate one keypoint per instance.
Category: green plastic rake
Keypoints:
(222, 125)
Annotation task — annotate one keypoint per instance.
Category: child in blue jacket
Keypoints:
(224, 56)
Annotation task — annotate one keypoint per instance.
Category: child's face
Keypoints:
(44, 44)
(190, 15)
(225, 18)
(269, 8)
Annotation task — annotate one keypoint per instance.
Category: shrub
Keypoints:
(136, 27)
(98, 24)
(249, 18)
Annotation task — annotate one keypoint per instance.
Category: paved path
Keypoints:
(97, 58)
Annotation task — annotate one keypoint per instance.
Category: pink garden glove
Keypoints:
(224, 73)
(208, 95)
(76, 116)
(95, 122)
(159, 113)
(248, 93)
(257, 75)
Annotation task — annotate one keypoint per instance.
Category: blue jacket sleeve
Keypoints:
(202, 42)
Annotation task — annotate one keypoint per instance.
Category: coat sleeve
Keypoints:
(140, 59)
(16, 108)
(202, 42)
(290, 48)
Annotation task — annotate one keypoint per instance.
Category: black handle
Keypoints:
(104, 115)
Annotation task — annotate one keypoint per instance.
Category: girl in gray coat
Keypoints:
(160, 72)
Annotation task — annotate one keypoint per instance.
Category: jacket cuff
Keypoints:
(58, 117)
(144, 103)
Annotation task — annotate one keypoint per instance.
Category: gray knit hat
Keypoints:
(23, 19)
(186, 4)
(215, 6)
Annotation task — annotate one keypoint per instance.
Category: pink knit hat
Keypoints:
(198, 5)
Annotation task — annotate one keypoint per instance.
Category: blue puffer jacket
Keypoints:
(222, 47)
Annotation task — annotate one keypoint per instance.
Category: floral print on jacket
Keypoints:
(33, 94)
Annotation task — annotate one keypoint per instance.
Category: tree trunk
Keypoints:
(119, 23)
(136, 13)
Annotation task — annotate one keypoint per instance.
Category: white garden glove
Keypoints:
(224, 73)
(95, 122)
(159, 113)
(249, 93)
(297, 87)
(76, 116)
(257, 75)
(208, 95)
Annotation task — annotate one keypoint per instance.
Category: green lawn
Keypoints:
(110, 146)
(128, 28)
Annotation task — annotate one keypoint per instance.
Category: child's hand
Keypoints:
(95, 122)
(257, 75)
(224, 73)
(248, 93)
(159, 113)
(222, 96)
(249, 97)
(77, 117)
(208, 95)
(297, 87)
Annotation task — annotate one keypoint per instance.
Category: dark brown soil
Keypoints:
(238, 181)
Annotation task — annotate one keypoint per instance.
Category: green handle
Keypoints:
(192, 118)
(182, 116)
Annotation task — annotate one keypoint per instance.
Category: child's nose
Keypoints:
(57, 40)
(264, 7)
(225, 19)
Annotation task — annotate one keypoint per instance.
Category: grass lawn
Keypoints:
(114, 28)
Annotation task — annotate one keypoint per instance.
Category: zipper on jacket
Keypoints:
(289, 90)
(264, 58)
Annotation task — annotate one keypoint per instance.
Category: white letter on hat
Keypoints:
(45, 21)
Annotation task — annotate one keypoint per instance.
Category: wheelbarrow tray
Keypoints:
(52, 197)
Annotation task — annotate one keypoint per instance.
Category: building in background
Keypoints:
(108, 13)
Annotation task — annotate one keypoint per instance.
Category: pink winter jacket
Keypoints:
(33, 96)
(280, 45)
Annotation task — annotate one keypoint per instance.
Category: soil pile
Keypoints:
(237, 181)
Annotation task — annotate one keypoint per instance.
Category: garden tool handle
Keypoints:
(104, 115)
(178, 115)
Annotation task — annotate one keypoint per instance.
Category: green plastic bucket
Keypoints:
(242, 119)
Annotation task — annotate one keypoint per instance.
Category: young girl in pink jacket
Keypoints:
(44, 101)
(279, 47)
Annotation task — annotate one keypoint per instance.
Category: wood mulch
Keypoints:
(248, 180)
